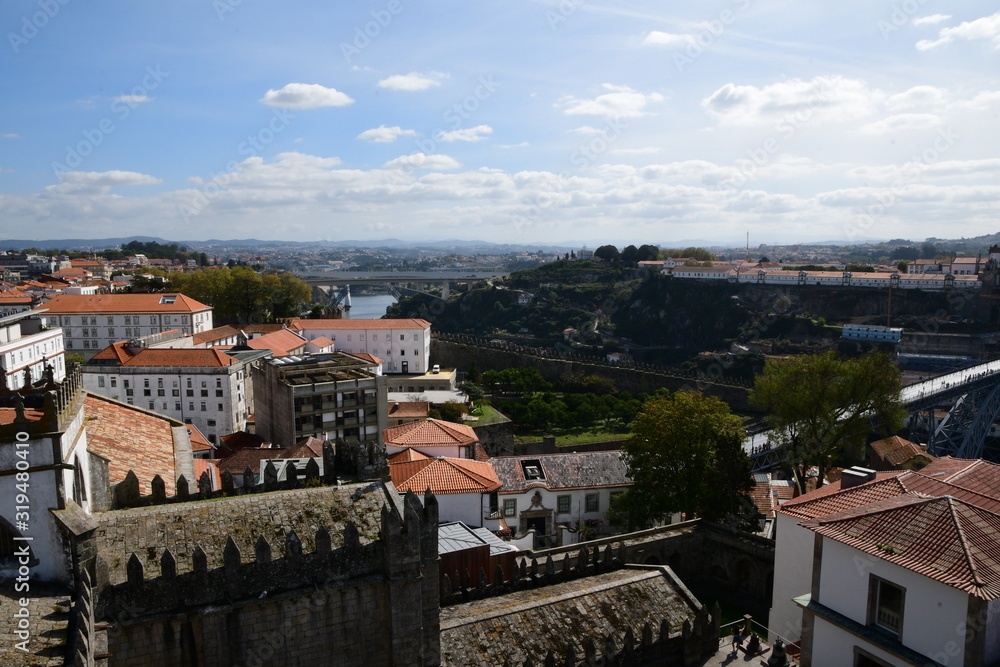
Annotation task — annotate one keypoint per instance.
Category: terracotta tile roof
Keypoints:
(282, 343)
(199, 443)
(943, 538)
(218, 333)
(236, 441)
(580, 470)
(165, 357)
(306, 448)
(407, 455)
(131, 439)
(976, 475)
(208, 465)
(322, 341)
(7, 415)
(896, 450)
(237, 462)
(409, 409)
(367, 357)
(351, 325)
(429, 433)
(444, 476)
(831, 498)
(122, 303)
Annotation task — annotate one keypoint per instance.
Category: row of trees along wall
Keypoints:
(460, 351)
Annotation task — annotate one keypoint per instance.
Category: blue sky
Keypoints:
(572, 121)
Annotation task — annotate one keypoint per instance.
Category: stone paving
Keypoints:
(49, 614)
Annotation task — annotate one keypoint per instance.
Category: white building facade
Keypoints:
(404, 345)
(25, 347)
(90, 323)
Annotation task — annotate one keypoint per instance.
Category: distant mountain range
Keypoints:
(456, 244)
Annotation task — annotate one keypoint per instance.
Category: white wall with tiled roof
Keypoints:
(404, 345)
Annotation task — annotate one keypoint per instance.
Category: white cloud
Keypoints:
(133, 100)
(385, 135)
(903, 122)
(586, 130)
(10, 135)
(987, 27)
(668, 40)
(917, 96)
(100, 182)
(648, 150)
(305, 96)
(412, 81)
(466, 134)
(931, 20)
(829, 98)
(522, 144)
(619, 102)
(422, 161)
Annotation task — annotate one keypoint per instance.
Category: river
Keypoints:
(369, 307)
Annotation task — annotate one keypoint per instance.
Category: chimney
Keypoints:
(856, 476)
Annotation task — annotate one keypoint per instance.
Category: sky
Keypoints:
(572, 121)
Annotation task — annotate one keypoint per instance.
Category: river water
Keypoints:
(369, 307)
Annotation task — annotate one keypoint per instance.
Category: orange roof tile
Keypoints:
(407, 455)
(367, 357)
(831, 498)
(322, 341)
(282, 343)
(943, 538)
(199, 443)
(300, 324)
(429, 433)
(208, 465)
(444, 476)
(165, 357)
(131, 439)
(218, 333)
(896, 451)
(122, 303)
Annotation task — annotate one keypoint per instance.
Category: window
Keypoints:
(145, 383)
(402, 337)
(191, 407)
(161, 392)
(147, 392)
(593, 502)
(220, 407)
(218, 393)
(100, 381)
(374, 336)
(189, 393)
(204, 408)
(175, 392)
(563, 504)
(159, 382)
(177, 407)
(885, 605)
(510, 507)
(204, 393)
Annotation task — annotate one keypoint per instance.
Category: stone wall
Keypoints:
(460, 351)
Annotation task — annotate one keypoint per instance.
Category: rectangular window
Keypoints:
(189, 393)
(564, 503)
(374, 336)
(177, 407)
(100, 381)
(204, 393)
(114, 382)
(885, 602)
(402, 336)
(161, 392)
(204, 408)
(175, 392)
(593, 502)
(218, 393)
(510, 507)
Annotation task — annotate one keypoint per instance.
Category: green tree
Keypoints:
(823, 408)
(607, 253)
(685, 455)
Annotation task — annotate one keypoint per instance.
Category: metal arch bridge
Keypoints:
(974, 392)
